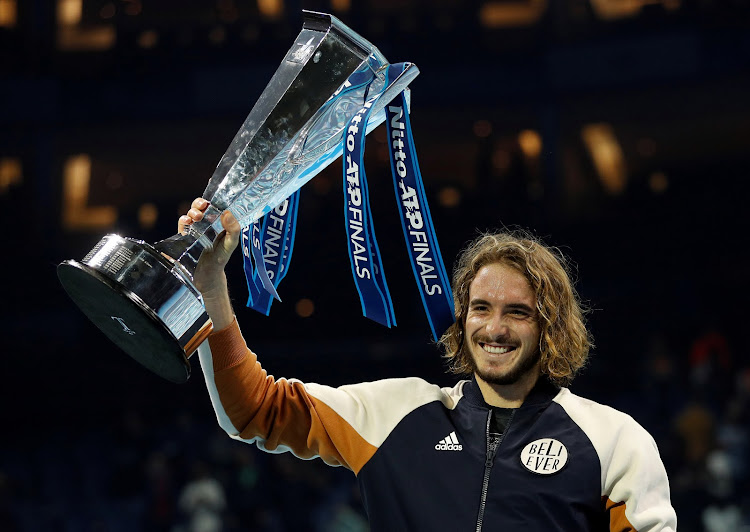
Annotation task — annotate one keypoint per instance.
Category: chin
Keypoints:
(507, 375)
(502, 379)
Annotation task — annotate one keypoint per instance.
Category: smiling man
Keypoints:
(517, 317)
(503, 326)
(509, 448)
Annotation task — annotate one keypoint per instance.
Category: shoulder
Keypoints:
(375, 408)
(627, 452)
(633, 477)
(413, 391)
(600, 422)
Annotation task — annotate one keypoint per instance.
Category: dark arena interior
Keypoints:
(616, 131)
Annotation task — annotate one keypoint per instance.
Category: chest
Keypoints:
(542, 472)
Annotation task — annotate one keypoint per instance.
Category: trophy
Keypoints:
(141, 295)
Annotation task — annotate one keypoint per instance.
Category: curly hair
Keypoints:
(564, 341)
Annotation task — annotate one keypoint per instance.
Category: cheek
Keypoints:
(533, 334)
(472, 324)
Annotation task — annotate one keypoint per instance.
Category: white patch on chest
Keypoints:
(545, 456)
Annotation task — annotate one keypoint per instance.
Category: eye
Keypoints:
(519, 313)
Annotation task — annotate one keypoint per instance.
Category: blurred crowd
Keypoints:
(705, 443)
(180, 476)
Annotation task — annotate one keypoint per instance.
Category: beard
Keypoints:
(510, 376)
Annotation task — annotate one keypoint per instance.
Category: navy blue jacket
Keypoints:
(425, 457)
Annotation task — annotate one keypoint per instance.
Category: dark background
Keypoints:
(620, 134)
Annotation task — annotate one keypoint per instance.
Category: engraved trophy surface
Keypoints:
(141, 295)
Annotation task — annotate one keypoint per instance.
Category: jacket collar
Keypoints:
(542, 393)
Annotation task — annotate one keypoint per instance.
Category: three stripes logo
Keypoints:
(449, 443)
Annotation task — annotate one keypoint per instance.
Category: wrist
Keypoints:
(217, 303)
(211, 286)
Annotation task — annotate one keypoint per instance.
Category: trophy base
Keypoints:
(139, 301)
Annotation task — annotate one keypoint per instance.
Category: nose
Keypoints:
(496, 326)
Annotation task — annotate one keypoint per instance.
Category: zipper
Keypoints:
(493, 443)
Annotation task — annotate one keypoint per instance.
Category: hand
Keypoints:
(209, 277)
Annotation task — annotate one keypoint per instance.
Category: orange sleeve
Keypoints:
(618, 521)
(280, 414)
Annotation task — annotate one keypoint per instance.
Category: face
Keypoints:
(502, 326)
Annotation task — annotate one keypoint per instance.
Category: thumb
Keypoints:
(233, 231)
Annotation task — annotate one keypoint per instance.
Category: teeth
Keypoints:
(496, 350)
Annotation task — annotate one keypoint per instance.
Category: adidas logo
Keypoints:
(449, 443)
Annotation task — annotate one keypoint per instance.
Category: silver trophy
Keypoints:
(142, 296)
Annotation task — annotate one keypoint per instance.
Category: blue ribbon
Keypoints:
(364, 255)
(258, 249)
(250, 233)
(270, 245)
(269, 242)
(419, 233)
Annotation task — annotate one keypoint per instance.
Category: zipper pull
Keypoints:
(493, 444)
(491, 441)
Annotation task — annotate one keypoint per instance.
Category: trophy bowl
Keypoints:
(133, 295)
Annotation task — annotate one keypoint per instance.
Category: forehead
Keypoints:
(501, 283)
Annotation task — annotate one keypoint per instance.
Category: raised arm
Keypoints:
(210, 278)
(254, 407)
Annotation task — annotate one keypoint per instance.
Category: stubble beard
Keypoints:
(513, 375)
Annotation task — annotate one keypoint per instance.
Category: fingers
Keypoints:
(195, 214)
(199, 204)
(182, 224)
(197, 208)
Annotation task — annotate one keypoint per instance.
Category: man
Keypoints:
(509, 449)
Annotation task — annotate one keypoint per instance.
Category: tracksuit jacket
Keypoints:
(426, 461)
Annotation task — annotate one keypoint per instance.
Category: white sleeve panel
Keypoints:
(373, 409)
(632, 470)
(207, 366)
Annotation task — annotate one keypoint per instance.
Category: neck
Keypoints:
(507, 395)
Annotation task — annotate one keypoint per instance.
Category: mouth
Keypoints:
(496, 349)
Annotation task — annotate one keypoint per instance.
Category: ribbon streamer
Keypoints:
(268, 243)
(364, 254)
(419, 233)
